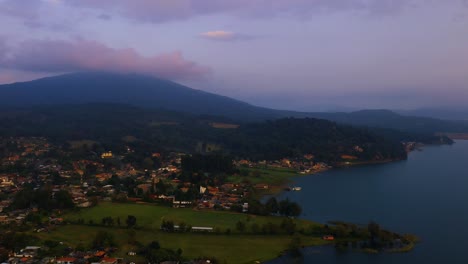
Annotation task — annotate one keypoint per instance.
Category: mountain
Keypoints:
(389, 119)
(150, 92)
(133, 89)
(449, 113)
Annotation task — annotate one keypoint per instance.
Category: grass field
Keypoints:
(151, 216)
(233, 248)
(227, 248)
(269, 175)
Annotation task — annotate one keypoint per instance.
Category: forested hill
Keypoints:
(153, 93)
(115, 126)
(292, 137)
(392, 120)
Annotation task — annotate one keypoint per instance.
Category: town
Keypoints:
(82, 175)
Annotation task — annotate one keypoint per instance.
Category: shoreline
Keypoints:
(278, 189)
(281, 186)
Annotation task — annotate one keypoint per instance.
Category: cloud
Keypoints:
(56, 56)
(104, 17)
(222, 35)
(157, 11)
(36, 13)
(6, 78)
(27, 10)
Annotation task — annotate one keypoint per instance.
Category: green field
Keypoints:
(269, 175)
(233, 248)
(227, 248)
(150, 216)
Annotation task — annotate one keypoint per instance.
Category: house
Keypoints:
(107, 155)
(181, 204)
(4, 219)
(202, 190)
(213, 190)
(285, 163)
(261, 186)
(109, 261)
(65, 260)
(328, 237)
(349, 157)
(28, 252)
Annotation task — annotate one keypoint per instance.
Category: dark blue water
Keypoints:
(426, 195)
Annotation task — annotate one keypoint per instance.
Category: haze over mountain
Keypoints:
(450, 113)
(150, 92)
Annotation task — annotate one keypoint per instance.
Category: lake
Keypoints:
(426, 195)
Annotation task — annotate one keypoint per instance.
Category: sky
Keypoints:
(304, 55)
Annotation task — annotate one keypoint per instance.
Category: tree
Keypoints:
(240, 226)
(131, 221)
(272, 205)
(374, 229)
(167, 226)
(295, 209)
(182, 226)
(147, 163)
(154, 245)
(288, 226)
(288, 208)
(103, 239)
(255, 228)
(284, 207)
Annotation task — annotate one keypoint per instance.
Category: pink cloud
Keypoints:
(224, 35)
(84, 55)
(6, 78)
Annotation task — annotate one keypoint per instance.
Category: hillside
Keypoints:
(389, 119)
(132, 89)
(149, 92)
(110, 125)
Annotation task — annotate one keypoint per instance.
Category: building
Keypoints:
(107, 155)
(65, 260)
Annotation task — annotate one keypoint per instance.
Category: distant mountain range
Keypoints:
(149, 92)
(449, 113)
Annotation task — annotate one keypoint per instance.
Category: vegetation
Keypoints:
(43, 198)
(150, 217)
(250, 238)
(111, 126)
(236, 238)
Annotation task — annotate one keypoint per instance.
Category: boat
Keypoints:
(296, 188)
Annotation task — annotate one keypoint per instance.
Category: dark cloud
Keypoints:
(84, 55)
